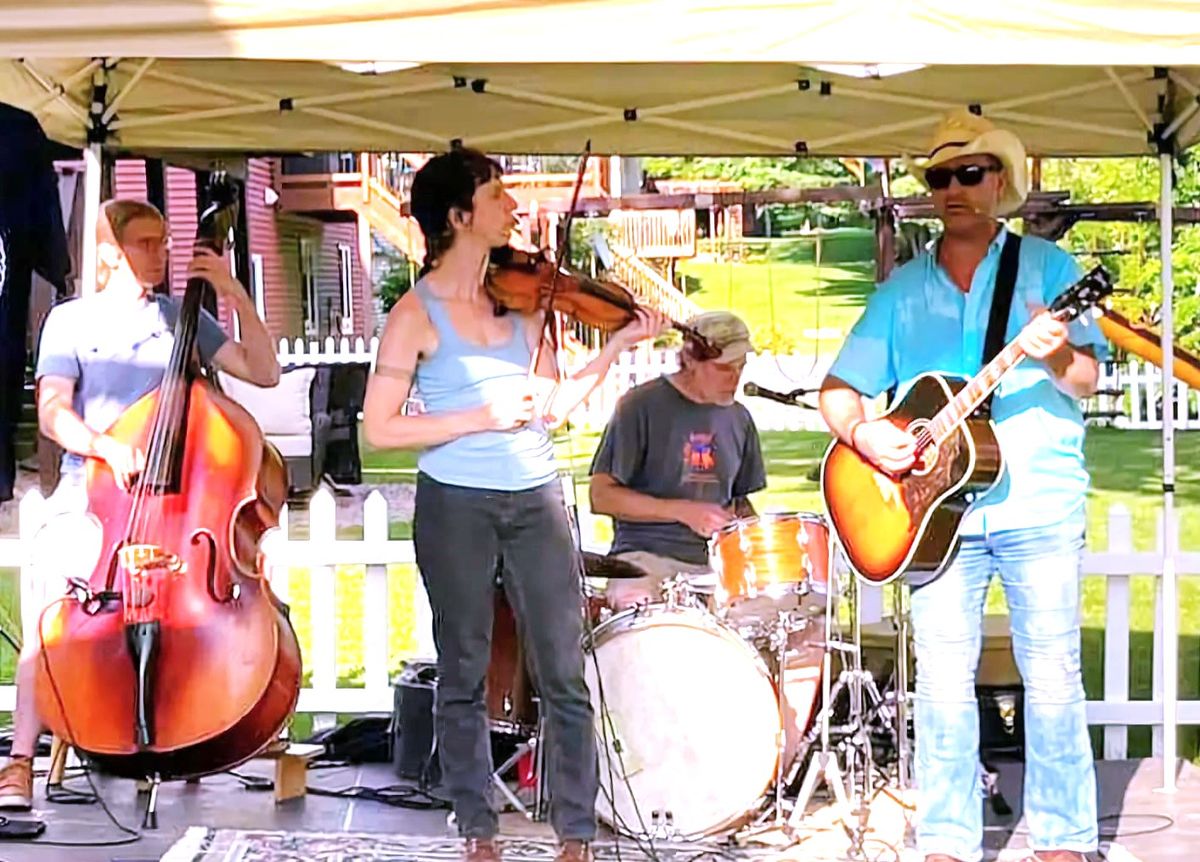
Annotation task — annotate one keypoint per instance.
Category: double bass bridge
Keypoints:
(147, 568)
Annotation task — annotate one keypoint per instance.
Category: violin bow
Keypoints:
(551, 329)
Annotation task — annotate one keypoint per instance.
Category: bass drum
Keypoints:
(688, 723)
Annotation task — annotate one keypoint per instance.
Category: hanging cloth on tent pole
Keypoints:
(32, 239)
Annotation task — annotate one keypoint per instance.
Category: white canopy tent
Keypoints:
(845, 78)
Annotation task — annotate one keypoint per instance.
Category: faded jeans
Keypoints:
(1039, 569)
(459, 534)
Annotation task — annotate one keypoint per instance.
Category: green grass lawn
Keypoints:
(787, 305)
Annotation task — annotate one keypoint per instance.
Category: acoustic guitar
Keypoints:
(891, 525)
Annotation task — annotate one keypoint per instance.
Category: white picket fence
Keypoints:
(1130, 393)
(784, 372)
(322, 553)
(1131, 397)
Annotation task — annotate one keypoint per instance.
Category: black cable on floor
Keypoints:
(395, 795)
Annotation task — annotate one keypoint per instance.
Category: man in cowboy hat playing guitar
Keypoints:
(932, 315)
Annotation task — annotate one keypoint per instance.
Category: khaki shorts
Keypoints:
(626, 592)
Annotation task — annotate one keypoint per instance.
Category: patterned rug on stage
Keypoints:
(201, 844)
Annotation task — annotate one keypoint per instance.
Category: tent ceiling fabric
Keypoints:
(1073, 77)
(1019, 32)
(632, 109)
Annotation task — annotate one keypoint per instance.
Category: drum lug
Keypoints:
(662, 825)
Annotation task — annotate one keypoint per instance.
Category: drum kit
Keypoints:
(706, 701)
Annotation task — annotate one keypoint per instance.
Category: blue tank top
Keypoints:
(461, 375)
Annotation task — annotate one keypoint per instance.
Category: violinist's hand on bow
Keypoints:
(214, 268)
(646, 323)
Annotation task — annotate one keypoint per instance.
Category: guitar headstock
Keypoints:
(1089, 291)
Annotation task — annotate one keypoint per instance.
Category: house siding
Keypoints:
(129, 179)
(275, 237)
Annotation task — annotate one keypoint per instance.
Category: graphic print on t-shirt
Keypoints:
(700, 458)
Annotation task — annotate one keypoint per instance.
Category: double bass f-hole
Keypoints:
(229, 590)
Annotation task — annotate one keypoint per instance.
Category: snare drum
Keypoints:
(767, 564)
(688, 722)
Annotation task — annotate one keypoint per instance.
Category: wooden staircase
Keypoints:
(648, 286)
(375, 191)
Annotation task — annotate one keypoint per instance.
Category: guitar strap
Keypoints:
(1006, 282)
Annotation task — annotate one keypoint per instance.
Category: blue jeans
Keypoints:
(459, 534)
(1040, 570)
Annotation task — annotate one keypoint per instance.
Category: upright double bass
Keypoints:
(175, 659)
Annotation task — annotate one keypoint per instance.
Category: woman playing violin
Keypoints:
(97, 356)
(488, 491)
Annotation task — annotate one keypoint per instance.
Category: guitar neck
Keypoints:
(974, 393)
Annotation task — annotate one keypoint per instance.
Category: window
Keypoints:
(346, 280)
(308, 285)
(256, 286)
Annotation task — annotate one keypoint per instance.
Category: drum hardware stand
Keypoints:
(531, 745)
(864, 703)
(903, 620)
(824, 763)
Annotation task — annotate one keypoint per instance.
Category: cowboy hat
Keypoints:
(962, 133)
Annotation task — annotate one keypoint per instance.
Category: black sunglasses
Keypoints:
(967, 175)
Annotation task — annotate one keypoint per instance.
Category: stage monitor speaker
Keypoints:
(412, 720)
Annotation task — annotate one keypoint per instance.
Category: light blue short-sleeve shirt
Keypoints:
(116, 352)
(918, 321)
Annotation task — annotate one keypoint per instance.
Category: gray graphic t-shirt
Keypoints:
(116, 352)
(663, 444)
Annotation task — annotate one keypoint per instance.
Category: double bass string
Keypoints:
(162, 437)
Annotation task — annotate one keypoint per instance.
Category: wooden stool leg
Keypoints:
(58, 761)
(291, 777)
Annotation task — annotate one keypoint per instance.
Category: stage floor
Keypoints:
(242, 824)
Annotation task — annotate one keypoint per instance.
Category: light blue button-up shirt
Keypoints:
(919, 321)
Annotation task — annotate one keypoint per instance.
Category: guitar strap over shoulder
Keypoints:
(1006, 282)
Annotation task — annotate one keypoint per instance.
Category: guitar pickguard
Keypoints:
(922, 491)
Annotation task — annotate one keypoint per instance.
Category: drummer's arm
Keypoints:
(610, 497)
(743, 508)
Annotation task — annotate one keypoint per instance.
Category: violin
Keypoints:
(526, 282)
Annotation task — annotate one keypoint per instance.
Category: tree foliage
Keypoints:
(754, 174)
(397, 278)
(761, 173)
(1130, 250)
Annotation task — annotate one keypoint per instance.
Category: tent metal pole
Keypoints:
(93, 167)
(1183, 117)
(1129, 98)
(65, 86)
(1069, 125)
(115, 105)
(1169, 586)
